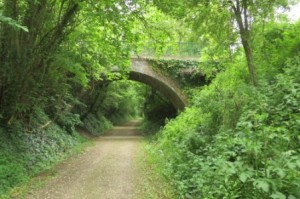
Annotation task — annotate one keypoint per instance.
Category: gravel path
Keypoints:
(106, 170)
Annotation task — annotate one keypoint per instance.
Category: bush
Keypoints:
(12, 171)
(237, 141)
(25, 153)
(96, 124)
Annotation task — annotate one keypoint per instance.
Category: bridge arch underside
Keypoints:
(179, 102)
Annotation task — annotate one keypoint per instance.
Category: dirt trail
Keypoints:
(106, 170)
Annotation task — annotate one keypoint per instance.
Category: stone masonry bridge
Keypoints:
(142, 71)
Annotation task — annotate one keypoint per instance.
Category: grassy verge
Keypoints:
(151, 184)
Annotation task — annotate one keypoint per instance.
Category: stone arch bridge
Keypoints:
(142, 71)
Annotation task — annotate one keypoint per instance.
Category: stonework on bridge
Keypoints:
(142, 71)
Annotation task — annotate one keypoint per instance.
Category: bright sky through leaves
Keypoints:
(294, 13)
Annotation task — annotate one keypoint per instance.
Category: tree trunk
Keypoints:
(245, 36)
(250, 64)
(23, 54)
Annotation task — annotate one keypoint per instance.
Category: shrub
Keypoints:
(25, 153)
(236, 143)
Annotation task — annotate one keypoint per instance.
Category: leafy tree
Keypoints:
(24, 56)
(223, 19)
(69, 43)
(51, 54)
(159, 34)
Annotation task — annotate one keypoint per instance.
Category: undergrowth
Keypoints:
(151, 184)
(187, 73)
(25, 154)
(236, 141)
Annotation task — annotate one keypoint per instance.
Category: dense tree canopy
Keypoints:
(222, 20)
(237, 139)
(59, 42)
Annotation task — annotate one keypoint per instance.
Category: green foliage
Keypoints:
(225, 22)
(123, 100)
(150, 128)
(44, 72)
(12, 171)
(96, 123)
(114, 103)
(239, 143)
(11, 22)
(151, 184)
(70, 45)
(25, 154)
(270, 45)
(160, 35)
(234, 141)
(188, 73)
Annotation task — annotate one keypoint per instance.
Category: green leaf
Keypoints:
(243, 177)
(278, 195)
(263, 185)
(12, 23)
(298, 163)
(292, 197)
